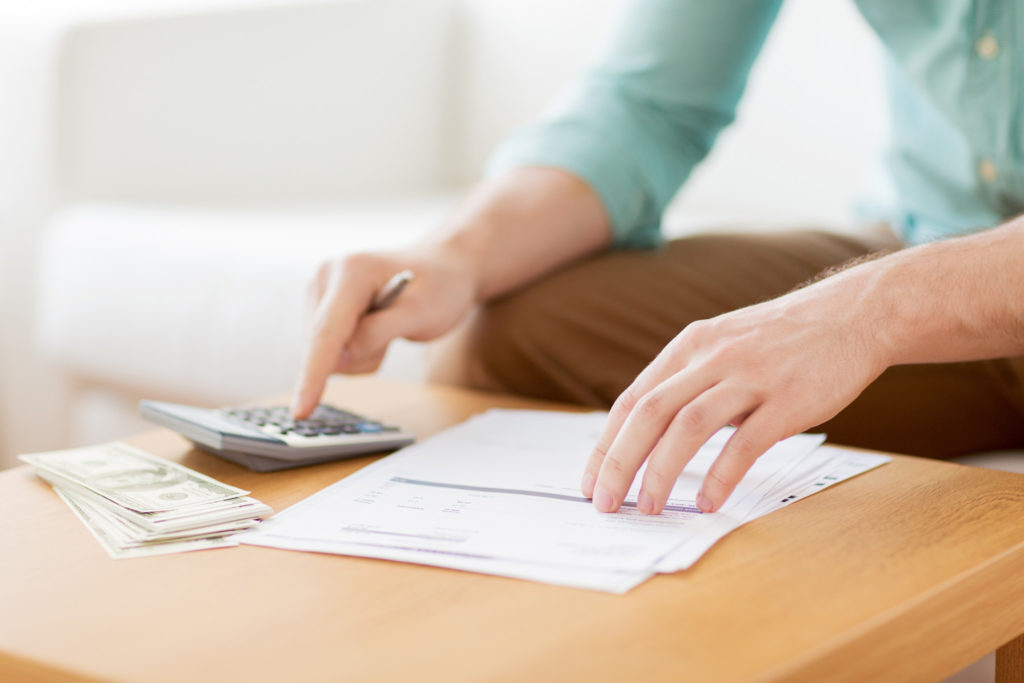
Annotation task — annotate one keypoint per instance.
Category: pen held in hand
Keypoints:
(387, 295)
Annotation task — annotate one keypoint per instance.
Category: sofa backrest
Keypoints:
(288, 103)
(319, 102)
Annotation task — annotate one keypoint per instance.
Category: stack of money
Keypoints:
(137, 504)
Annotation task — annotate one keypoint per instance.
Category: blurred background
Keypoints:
(172, 171)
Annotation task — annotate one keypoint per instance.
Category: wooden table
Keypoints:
(908, 572)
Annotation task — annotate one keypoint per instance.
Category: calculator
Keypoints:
(265, 439)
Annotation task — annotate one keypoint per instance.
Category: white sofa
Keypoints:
(202, 161)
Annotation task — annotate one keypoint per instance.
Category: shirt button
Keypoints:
(987, 170)
(987, 46)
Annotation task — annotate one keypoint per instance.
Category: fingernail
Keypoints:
(704, 503)
(644, 503)
(603, 500)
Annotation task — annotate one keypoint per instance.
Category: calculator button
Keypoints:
(325, 420)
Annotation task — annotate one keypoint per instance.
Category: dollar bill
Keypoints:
(224, 511)
(132, 478)
(108, 537)
(129, 532)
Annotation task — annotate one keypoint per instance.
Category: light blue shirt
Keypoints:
(634, 126)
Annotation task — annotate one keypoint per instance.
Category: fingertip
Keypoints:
(704, 502)
(603, 500)
(646, 504)
(587, 485)
(298, 410)
(303, 402)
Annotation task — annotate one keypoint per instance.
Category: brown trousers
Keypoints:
(581, 335)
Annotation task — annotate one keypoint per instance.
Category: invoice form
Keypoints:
(501, 492)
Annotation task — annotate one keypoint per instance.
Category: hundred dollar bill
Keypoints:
(132, 478)
(128, 535)
(129, 532)
(108, 538)
(182, 519)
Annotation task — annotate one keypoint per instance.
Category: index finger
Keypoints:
(333, 324)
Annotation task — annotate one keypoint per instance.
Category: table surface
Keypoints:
(908, 572)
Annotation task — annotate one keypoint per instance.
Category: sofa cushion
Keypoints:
(208, 305)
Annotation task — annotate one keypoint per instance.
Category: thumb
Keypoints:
(375, 331)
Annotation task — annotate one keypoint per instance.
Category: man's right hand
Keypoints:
(346, 338)
(509, 231)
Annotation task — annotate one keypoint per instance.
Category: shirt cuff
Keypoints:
(559, 144)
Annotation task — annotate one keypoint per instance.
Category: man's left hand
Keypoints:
(773, 370)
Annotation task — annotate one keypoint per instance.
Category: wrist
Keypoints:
(462, 251)
(892, 317)
(865, 307)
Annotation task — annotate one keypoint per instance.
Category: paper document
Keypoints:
(500, 494)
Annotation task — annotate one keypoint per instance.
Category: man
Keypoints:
(914, 351)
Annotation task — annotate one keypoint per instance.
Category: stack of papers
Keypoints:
(499, 494)
(137, 504)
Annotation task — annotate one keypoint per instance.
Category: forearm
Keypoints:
(523, 224)
(955, 300)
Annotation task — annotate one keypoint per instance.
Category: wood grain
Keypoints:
(1010, 661)
(908, 572)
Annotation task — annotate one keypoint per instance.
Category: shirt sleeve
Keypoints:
(634, 126)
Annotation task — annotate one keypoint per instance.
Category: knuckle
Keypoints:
(650, 406)
(743, 447)
(695, 331)
(658, 480)
(358, 262)
(717, 480)
(726, 354)
(626, 400)
(612, 465)
(692, 418)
